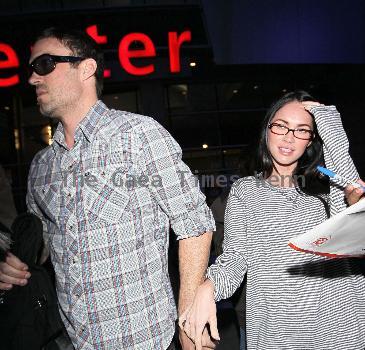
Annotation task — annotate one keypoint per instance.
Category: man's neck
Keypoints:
(72, 118)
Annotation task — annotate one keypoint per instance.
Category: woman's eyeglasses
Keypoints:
(45, 64)
(280, 129)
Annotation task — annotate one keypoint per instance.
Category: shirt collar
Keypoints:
(88, 125)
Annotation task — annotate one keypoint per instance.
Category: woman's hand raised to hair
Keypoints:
(309, 104)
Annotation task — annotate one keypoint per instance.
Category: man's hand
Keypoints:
(202, 312)
(187, 343)
(13, 271)
(193, 262)
(353, 194)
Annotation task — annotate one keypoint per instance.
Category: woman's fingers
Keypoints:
(354, 194)
(214, 328)
(182, 318)
(309, 104)
(201, 312)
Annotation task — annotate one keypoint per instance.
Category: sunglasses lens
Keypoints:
(43, 65)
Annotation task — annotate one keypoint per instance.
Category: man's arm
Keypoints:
(13, 271)
(179, 196)
(193, 262)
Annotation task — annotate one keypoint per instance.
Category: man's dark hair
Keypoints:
(81, 45)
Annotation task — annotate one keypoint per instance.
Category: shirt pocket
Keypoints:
(47, 197)
(105, 194)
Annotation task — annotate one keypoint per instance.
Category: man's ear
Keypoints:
(88, 68)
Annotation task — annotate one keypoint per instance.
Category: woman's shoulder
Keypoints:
(245, 184)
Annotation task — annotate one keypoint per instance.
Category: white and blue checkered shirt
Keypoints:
(107, 205)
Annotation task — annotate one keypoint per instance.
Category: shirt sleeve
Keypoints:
(228, 272)
(174, 187)
(336, 153)
(34, 209)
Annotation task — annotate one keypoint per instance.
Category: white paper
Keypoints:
(342, 235)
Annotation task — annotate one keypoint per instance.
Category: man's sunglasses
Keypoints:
(45, 64)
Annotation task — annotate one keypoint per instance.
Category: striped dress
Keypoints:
(295, 301)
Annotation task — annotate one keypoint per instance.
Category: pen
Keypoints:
(339, 177)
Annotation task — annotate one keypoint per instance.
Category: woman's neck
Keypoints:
(281, 179)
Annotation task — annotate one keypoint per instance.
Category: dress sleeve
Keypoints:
(228, 272)
(175, 188)
(336, 153)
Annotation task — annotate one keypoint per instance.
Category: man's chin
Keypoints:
(46, 112)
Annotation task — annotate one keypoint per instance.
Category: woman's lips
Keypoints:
(285, 150)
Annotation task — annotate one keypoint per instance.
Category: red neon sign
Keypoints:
(175, 42)
(126, 54)
(11, 61)
(93, 32)
(99, 39)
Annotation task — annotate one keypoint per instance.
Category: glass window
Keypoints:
(195, 130)
(203, 160)
(124, 101)
(239, 128)
(239, 95)
(184, 98)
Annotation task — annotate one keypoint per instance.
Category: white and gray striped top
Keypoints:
(295, 301)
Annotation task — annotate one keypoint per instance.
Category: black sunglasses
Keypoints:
(45, 64)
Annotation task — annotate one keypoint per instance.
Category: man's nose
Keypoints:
(34, 78)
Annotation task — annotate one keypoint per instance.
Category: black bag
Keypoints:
(29, 316)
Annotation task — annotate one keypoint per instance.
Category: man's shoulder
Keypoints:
(43, 156)
(118, 121)
(40, 163)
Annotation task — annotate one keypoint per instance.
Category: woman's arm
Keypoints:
(223, 277)
(228, 271)
(335, 149)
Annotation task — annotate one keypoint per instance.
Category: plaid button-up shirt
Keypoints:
(107, 205)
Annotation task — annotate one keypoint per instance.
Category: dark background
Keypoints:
(247, 54)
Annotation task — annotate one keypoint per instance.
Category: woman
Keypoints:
(294, 300)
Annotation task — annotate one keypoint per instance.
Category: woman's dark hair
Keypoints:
(82, 45)
(313, 154)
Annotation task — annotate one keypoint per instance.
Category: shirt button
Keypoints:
(69, 195)
(71, 227)
(75, 260)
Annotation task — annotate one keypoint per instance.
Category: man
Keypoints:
(106, 190)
